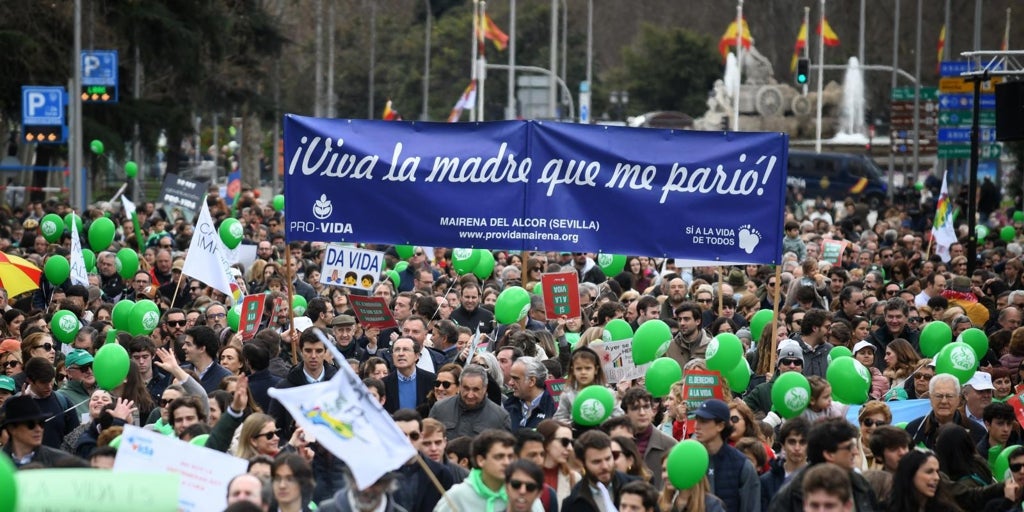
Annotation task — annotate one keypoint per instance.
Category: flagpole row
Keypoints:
(435, 481)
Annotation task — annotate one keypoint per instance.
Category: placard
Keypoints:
(205, 473)
(372, 312)
(617, 360)
(182, 196)
(252, 313)
(561, 294)
(89, 490)
(832, 251)
(555, 388)
(701, 385)
(351, 267)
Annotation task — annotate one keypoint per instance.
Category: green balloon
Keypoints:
(111, 336)
(145, 316)
(512, 305)
(90, 260)
(8, 498)
(661, 374)
(619, 329)
(110, 366)
(981, 231)
(651, 341)
(957, 359)
(405, 251)
(465, 260)
(902, 425)
(299, 303)
(611, 264)
(739, 377)
(933, 337)
(849, 379)
(401, 266)
(121, 315)
(96, 146)
(790, 394)
(837, 352)
(278, 203)
(199, 440)
(131, 169)
(724, 352)
(687, 464)
(1018, 216)
(485, 267)
(1007, 234)
(64, 325)
(52, 227)
(538, 290)
(73, 221)
(1003, 462)
(758, 322)
(57, 269)
(593, 405)
(235, 316)
(231, 232)
(394, 277)
(101, 234)
(977, 339)
(919, 186)
(127, 262)
(115, 443)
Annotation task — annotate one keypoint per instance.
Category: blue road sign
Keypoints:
(43, 105)
(965, 101)
(964, 135)
(99, 67)
(957, 67)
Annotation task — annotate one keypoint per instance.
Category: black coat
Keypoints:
(424, 385)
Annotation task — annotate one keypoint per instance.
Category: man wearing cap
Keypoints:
(791, 359)
(24, 421)
(977, 395)
(81, 382)
(7, 389)
(168, 289)
(731, 474)
(344, 329)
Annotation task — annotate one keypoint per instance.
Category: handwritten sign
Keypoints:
(372, 312)
(89, 490)
(351, 267)
(204, 473)
(701, 385)
(252, 313)
(561, 294)
(832, 251)
(617, 360)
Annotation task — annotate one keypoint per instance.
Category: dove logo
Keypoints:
(462, 254)
(591, 411)
(236, 229)
(796, 398)
(604, 260)
(49, 228)
(712, 349)
(68, 323)
(963, 358)
(322, 208)
(149, 320)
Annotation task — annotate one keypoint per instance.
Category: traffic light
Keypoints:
(803, 68)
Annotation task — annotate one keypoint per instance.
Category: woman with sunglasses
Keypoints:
(557, 456)
(873, 415)
(627, 459)
(524, 481)
(39, 344)
(10, 363)
(446, 385)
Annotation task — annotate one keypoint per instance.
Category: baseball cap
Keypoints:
(78, 358)
(343, 320)
(790, 349)
(10, 345)
(981, 381)
(713, 409)
(6, 383)
(863, 344)
(178, 265)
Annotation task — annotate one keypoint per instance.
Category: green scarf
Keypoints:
(476, 480)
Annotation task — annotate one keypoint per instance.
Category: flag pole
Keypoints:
(291, 311)
(739, 66)
(473, 66)
(176, 288)
(482, 64)
(821, 76)
(435, 481)
(775, 314)
(721, 296)
(807, 39)
(1006, 33)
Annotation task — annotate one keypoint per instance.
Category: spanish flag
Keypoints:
(489, 30)
(389, 114)
(729, 38)
(831, 39)
(942, 46)
(801, 43)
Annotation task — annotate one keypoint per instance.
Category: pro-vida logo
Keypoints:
(322, 210)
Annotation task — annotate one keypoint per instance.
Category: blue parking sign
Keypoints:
(43, 105)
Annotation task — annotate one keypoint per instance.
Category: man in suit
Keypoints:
(408, 385)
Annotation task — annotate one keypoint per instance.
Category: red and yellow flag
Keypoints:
(801, 43)
(831, 39)
(489, 30)
(390, 114)
(729, 38)
(941, 47)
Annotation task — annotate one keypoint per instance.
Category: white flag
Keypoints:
(349, 422)
(79, 275)
(205, 261)
(942, 227)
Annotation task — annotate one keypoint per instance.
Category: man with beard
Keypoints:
(692, 340)
(676, 298)
(594, 450)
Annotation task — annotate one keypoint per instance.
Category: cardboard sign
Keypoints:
(252, 313)
(87, 490)
(617, 360)
(561, 294)
(182, 197)
(832, 251)
(280, 309)
(555, 388)
(1018, 407)
(701, 385)
(204, 473)
(351, 267)
(372, 312)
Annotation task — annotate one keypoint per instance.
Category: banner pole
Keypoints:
(176, 288)
(775, 316)
(721, 296)
(435, 481)
(291, 312)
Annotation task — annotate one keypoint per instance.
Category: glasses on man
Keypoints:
(704, 301)
(32, 424)
(871, 422)
(177, 323)
(791, 361)
(519, 484)
(45, 346)
(217, 316)
(1017, 467)
(943, 397)
(923, 376)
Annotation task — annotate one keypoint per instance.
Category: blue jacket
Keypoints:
(545, 410)
(734, 480)
(582, 500)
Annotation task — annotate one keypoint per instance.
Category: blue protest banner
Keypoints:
(708, 196)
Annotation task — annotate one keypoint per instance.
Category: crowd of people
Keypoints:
(473, 395)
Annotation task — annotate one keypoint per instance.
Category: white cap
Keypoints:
(863, 344)
(981, 381)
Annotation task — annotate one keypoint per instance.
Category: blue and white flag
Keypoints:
(79, 274)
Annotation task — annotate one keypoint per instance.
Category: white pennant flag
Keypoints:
(205, 261)
(79, 275)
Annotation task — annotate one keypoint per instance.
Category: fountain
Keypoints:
(851, 114)
(732, 75)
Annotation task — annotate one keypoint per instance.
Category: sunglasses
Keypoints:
(1016, 467)
(914, 319)
(413, 436)
(616, 454)
(11, 364)
(734, 419)
(45, 346)
(443, 384)
(704, 301)
(791, 362)
(874, 423)
(33, 424)
(564, 440)
(519, 484)
(177, 323)
(164, 402)
(194, 288)
(921, 376)
(267, 435)
(84, 368)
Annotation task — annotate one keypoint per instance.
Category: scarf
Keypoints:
(476, 481)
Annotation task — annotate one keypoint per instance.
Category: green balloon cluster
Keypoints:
(101, 234)
(64, 325)
(478, 261)
(618, 329)
(724, 352)
(661, 375)
(849, 379)
(485, 267)
(110, 366)
(72, 221)
(687, 464)
(57, 269)
(512, 305)
(394, 277)
(791, 393)
(651, 341)
(145, 316)
(90, 260)
(837, 352)
(52, 227)
(131, 169)
(231, 232)
(738, 378)
(957, 359)
(934, 337)
(235, 316)
(611, 264)
(127, 263)
(401, 266)
(593, 405)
